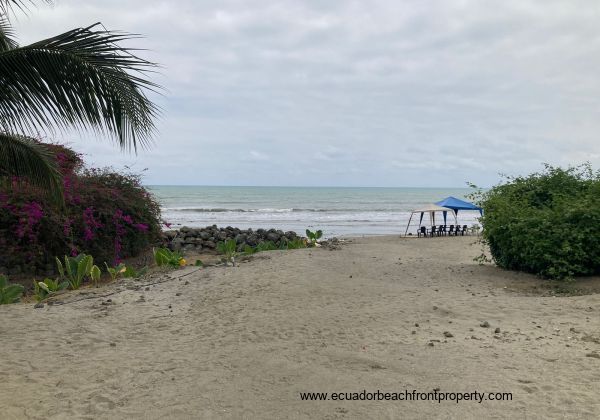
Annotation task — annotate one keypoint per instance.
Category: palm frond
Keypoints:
(10, 5)
(24, 157)
(81, 78)
(6, 35)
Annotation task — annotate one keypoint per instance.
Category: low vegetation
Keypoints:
(229, 250)
(48, 287)
(9, 293)
(166, 257)
(313, 237)
(547, 223)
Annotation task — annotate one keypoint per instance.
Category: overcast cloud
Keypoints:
(366, 93)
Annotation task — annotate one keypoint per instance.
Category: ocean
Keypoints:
(336, 211)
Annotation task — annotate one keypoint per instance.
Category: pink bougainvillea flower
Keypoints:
(141, 227)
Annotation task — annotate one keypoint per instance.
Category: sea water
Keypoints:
(335, 210)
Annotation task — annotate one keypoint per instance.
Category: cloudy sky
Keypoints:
(354, 93)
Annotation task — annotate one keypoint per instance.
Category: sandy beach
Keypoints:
(381, 313)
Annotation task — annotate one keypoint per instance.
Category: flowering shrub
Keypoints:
(106, 214)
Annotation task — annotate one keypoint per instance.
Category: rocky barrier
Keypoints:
(207, 238)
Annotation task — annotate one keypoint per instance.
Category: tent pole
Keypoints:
(409, 219)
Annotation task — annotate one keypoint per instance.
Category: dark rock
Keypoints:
(176, 244)
(497, 330)
(210, 244)
(448, 334)
(204, 235)
(39, 305)
(170, 234)
(485, 324)
(272, 236)
(240, 238)
(252, 240)
(184, 229)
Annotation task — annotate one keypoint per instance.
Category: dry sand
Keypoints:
(243, 342)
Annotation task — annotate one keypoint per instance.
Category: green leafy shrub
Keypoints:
(229, 249)
(9, 293)
(166, 257)
(271, 246)
(547, 223)
(95, 274)
(265, 246)
(296, 243)
(313, 237)
(75, 269)
(106, 214)
(131, 272)
(115, 272)
(48, 287)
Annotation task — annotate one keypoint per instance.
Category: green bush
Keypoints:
(547, 223)
(9, 293)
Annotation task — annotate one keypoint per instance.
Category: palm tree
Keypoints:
(82, 79)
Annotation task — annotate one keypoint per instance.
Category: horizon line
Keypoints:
(302, 186)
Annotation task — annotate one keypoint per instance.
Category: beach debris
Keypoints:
(593, 354)
(485, 324)
(448, 334)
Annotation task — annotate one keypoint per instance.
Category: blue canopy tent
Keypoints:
(457, 204)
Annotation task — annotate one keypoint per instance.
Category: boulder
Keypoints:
(176, 244)
(272, 236)
(170, 234)
(252, 240)
(240, 238)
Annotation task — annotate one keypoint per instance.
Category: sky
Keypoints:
(391, 93)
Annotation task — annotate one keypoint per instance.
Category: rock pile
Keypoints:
(207, 238)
